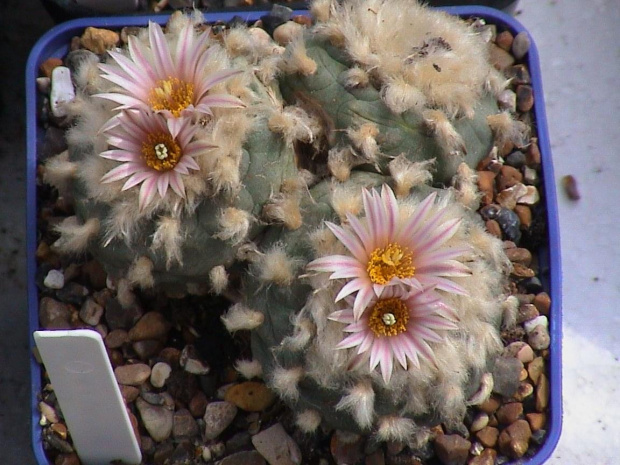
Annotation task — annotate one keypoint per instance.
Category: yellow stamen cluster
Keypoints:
(389, 262)
(171, 94)
(161, 152)
(388, 317)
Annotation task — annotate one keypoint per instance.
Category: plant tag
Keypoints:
(90, 399)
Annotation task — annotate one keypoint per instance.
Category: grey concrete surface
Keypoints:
(579, 45)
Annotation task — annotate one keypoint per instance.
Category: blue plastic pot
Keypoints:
(55, 43)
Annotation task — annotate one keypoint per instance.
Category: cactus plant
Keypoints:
(392, 77)
(199, 167)
(354, 372)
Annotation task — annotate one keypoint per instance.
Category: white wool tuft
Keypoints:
(308, 421)
(466, 184)
(408, 174)
(239, 317)
(234, 225)
(359, 402)
(284, 208)
(444, 132)
(275, 266)
(75, 236)
(395, 428)
(218, 278)
(249, 368)
(168, 236)
(59, 172)
(285, 382)
(346, 200)
(141, 273)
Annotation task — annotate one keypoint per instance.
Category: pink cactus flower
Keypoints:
(176, 83)
(155, 152)
(388, 248)
(398, 326)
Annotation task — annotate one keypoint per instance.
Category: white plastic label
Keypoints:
(89, 397)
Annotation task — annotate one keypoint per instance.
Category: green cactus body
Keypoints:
(325, 381)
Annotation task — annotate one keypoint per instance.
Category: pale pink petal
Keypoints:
(387, 362)
(185, 46)
(331, 263)
(163, 181)
(440, 255)
(214, 79)
(120, 172)
(438, 322)
(134, 72)
(428, 334)
(124, 82)
(118, 155)
(428, 229)
(414, 221)
(220, 101)
(137, 178)
(147, 192)
(442, 284)
(391, 207)
(125, 144)
(440, 235)
(126, 101)
(366, 344)
(350, 341)
(374, 226)
(342, 316)
(351, 287)
(450, 268)
(136, 53)
(163, 65)
(399, 351)
(349, 240)
(177, 184)
(362, 299)
(361, 231)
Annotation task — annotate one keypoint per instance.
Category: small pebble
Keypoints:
(530, 176)
(62, 91)
(157, 420)
(487, 457)
(540, 320)
(198, 404)
(521, 45)
(480, 421)
(486, 182)
(48, 413)
(518, 73)
(116, 338)
(506, 374)
(520, 350)
(152, 325)
(191, 363)
(129, 393)
(218, 416)
(159, 374)
(504, 40)
(542, 302)
(542, 393)
(514, 440)
(510, 225)
(509, 176)
(569, 183)
(535, 368)
(54, 314)
(525, 390)
(248, 457)
(539, 338)
(516, 159)
(524, 213)
(525, 98)
(536, 420)
(519, 255)
(509, 413)
(500, 58)
(49, 65)
(250, 396)
(507, 100)
(91, 312)
(452, 449)
(276, 446)
(526, 312)
(67, 459)
(346, 447)
(184, 425)
(55, 279)
(488, 436)
(99, 40)
(133, 374)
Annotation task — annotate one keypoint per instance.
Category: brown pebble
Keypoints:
(542, 301)
(520, 271)
(525, 215)
(542, 393)
(525, 97)
(504, 40)
(346, 447)
(509, 413)
(99, 40)
(486, 181)
(514, 440)
(116, 357)
(133, 375)
(198, 404)
(519, 74)
(303, 20)
(250, 396)
(527, 312)
(487, 457)
(67, 459)
(116, 339)
(536, 420)
(152, 325)
(452, 449)
(48, 66)
(60, 430)
(129, 393)
(490, 405)
(569, 183)
(532, 154)
(535, 368)
(500, 58)
(509, 176)
(493, 228)
(488, 436)
(519, 255)
(525, 389)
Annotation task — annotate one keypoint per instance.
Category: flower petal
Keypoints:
(147, 192)
(120, 172)
(349, 240)
(162, 63)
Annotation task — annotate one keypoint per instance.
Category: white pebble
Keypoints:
(538, 321)
(159, 374)
(55, 279)
(62, 90)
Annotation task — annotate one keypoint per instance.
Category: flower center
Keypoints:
(161, 152)
(388, 317)
(171, 94)
(389, 262)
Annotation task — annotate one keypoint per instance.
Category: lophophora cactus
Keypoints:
(171, 164)
(392, 78)
(410, 353)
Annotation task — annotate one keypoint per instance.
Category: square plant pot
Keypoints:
(56, 42)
